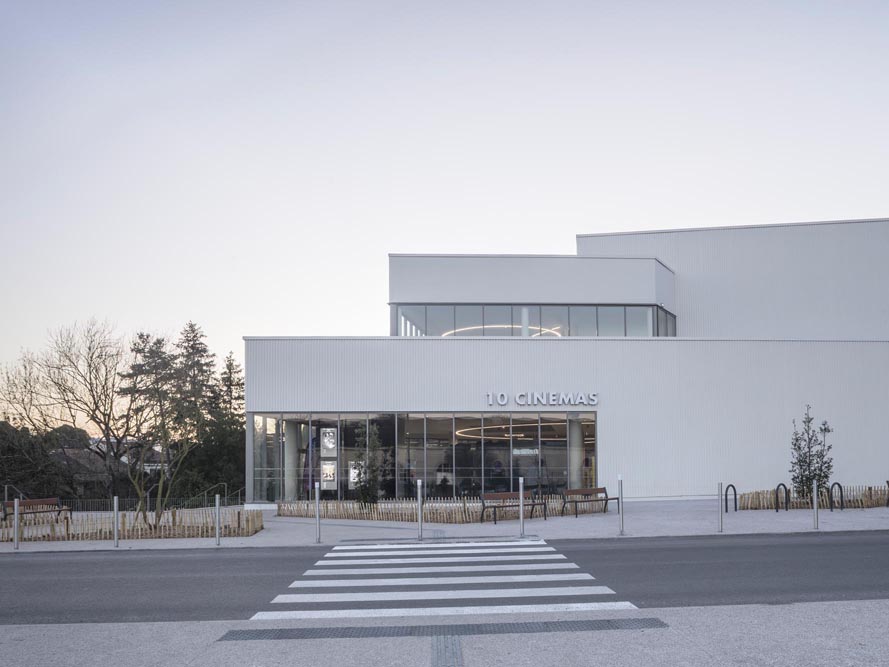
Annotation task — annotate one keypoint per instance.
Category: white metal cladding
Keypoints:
(675, 416)
(802, 281)
(528, 279)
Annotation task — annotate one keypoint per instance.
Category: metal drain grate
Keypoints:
(361, 632)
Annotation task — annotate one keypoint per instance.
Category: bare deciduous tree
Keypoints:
(77, 382)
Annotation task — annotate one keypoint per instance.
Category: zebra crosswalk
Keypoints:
(506, 577)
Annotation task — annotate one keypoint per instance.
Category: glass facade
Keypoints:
(454, 454)
(547, 321)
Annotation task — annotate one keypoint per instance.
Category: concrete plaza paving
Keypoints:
(641, 519)
(813, 634)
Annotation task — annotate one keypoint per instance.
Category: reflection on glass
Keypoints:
(554, 320)
(611, 321)
(439, 456)
(496, 438)
(640, 321)
(553, 452)
(525, 452)
(411, 461)
(583, 321)
(439, 320)
(468, 454)
(381, 448)
(498, 321)
(661, 322)
(671, 325)
(468, 321)
(299, 471)
(526, 320)
(266, 458)
(411, 320)
(353, 454)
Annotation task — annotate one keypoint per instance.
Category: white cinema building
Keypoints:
(676, 359)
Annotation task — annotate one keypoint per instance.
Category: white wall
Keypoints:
(821, 281)
(528, 279)
(675, 416)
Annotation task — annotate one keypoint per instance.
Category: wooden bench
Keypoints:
(509, 500)
(577, 496)
(33, 506)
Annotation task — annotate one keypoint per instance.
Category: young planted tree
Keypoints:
(810, 460)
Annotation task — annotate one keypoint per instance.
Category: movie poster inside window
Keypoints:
(328, 475)
(328, 443)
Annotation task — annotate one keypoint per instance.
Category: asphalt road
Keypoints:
(232, 584)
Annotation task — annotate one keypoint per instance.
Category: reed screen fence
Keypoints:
(435, 510)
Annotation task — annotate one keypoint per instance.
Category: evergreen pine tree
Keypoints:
(810, 459)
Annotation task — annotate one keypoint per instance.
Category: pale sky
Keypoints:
(250, 165)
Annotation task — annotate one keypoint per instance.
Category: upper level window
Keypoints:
(532, 321)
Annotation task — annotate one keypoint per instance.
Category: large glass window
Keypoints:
(440, 321)
(661, 322)
(468, 321)
(583, 321)
(439, 456)
(411, 459)
(353, 454)
(581, 450)
(553, 452)
(526, 320)
(381, 449)
(640, 321)
(497, 460)
(411, 320)
(554, 321)
(611, 321)
(325, 445)
(468, 454)
(533, 320)
(267, 471)
(300, 470)
(525, 452)
(498, 320)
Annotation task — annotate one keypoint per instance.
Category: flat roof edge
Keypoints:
(576, 339)
(521, 256)
(733, 227)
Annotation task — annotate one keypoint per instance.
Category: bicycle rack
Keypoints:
(735, 492)
(830, 496)
(786, 497)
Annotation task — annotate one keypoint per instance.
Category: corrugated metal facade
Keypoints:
(824, 280)
(674, 416)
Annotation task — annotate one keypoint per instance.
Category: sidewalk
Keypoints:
(642, 519)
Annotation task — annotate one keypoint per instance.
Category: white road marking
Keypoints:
(446, 559)
(435, 581)
(474, 594)
(442, 611)
(442, 545)
(501, 550)
(442, 568)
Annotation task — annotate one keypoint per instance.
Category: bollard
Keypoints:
(620, 501)
(317, 512)
(116, 521)
(521, 506)
(218, 520)
(420, 509)
(15, 524)
(815, 502)
(719, 502)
